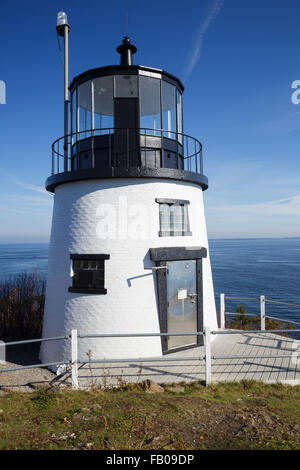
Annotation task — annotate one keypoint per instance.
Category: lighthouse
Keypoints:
(128, 249)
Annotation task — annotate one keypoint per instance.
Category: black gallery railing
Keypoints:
(113, 147)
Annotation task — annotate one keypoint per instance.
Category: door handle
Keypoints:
(192, 298)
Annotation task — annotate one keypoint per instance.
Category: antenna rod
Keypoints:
(63, 29)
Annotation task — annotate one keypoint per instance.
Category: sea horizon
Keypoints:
(209, 238)
(241, 267)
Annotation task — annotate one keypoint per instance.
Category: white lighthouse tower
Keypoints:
(128, 249)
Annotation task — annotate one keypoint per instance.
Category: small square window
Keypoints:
(88, 274)
(173, 218)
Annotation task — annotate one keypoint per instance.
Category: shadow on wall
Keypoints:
(148, 265)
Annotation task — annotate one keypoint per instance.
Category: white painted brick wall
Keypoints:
(130, 304)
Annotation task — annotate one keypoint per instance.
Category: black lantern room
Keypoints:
(126, 121)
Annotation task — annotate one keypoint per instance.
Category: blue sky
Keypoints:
(237, 60)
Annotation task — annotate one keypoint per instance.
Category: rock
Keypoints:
(151, 387)
(62, 369)
(160, 441)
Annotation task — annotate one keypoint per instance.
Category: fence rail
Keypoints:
(34, 366)
(262, 314)
(282, 303)
(74, 360)
(30, 341)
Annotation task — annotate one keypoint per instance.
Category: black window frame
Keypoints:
(89, 257)
(172, 233)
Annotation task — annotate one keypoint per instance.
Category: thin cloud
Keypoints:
(31, 187)
(281, 125)
(287, 206)
(195, 57)
(6, 176)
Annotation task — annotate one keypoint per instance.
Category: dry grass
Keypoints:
(247, 415)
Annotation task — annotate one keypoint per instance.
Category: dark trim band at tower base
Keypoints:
(94, 173)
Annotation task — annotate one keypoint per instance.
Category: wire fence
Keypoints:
(205, 354)
(74, 337)
(262, 310)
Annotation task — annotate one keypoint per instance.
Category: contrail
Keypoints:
(213, 13)
(38, 189)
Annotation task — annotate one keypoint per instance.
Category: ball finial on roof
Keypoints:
(126, 50)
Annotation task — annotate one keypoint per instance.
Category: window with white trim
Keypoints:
(173, 218)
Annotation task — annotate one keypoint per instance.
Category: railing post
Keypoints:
(127, 147)
(2, 352)
(262, 312)
(201, 160)
(52, 162)
(207, 344)
(109, 150)
(74, 358)
(222, 311)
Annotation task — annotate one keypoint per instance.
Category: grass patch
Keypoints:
(245, 415)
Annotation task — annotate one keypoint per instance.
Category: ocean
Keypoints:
(241, 268)
(253, 267)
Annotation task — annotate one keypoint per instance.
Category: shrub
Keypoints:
(243, 322)
(22, 300)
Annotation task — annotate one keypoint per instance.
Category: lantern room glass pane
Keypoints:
(150, 117)
(125, 86)
(85, 109)
(103, 104)
(169, 109)
(179, 116)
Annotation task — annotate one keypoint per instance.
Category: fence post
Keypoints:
(74, 358)
(207, 356)
(2, 352)
(222, 311)
(262, 312)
